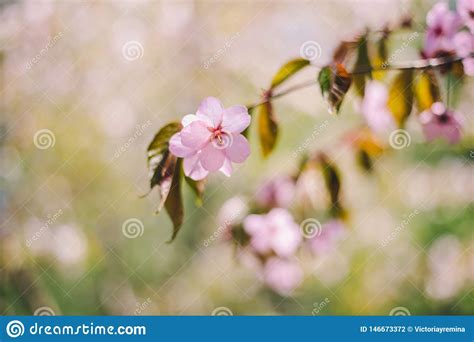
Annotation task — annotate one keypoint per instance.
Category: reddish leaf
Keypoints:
(334, 81)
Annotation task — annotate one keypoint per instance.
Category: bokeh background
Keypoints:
(86, 84)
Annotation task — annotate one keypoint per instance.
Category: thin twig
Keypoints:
(415, 65)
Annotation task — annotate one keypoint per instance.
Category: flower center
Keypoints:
(219, 137)
(217, 134)
(438, 31)
(443, 118)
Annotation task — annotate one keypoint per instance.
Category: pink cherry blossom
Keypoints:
(442, 26)
(278, 192)
(331, 232)
(466, 11)
(464, 45)
(440, 122)
(210, 139)
(281, 275)
(275, 232)
(375, 109)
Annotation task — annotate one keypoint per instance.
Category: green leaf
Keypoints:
(362, 65)
(288, 70)
(166, 174)
(332, 180)
(267, 128)
(426, 90)
(324, 79)
(251, 111)
(160, 142)
(162, 175)
(334, 82)
(400, 100)
(364, 160)
(174, 200)
(160, 161)
(380, 59)
(197, 187)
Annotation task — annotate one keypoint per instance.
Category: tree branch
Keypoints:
(414, 65)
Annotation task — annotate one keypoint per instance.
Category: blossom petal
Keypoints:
(195, 135)
(465, 8)
(464, 43)
(212, 158)
(468, 64)
(211, 108)
(187, 119)
(375, 109)
(282, 275)
(436, 14)
(235, 119)
(239, 150)
(193, 168)
(257, 228)
(286, 242)
(226, 168)
(178, 149)
(254, 223)
(435, 126)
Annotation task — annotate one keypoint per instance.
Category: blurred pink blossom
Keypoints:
(278, 192)
(331, 232)
(231, 214)
(464, 45)
(442, 26)
(210, 140)
(233, 211)
(374, 108)
(440, 122)
(466, 11)
(282, 275)
(274, 232)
